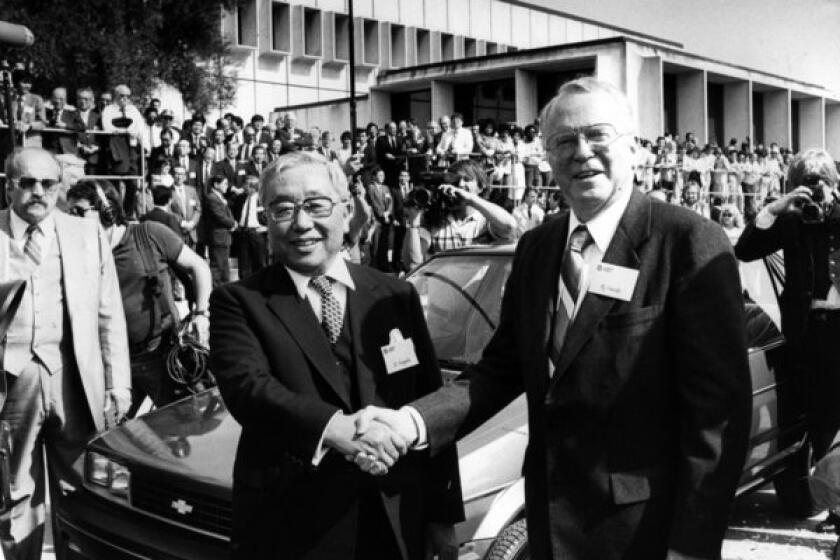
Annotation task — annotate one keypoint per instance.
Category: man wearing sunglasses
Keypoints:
(297, 348)
(623, 322)
(66, 352)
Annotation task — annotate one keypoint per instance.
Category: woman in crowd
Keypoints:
(143, 256)
(732, 222)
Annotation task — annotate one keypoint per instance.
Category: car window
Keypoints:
(461, 297)
(761, 282)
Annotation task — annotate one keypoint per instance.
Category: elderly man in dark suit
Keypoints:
(89, 144)
(218, 224)
(623, 322)
(297, 348)
(59, 116)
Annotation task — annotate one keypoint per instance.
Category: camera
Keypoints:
(428, 192)
(814, 211)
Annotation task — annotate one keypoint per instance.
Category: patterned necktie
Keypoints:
(331, 312)
(570, 271)
(32, 247)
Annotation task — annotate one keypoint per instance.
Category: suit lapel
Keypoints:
(633, 229)
(301, 323)
(5, 243)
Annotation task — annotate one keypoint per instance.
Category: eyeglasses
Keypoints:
(80, 211)
(597, 136)
(315, 207)
(28, 183)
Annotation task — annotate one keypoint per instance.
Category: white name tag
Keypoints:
(398, 353)
(613, 281)
(192, 174)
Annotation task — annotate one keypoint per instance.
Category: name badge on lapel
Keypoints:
(613, 281)
(398, 353)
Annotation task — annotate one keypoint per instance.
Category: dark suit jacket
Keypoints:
(162, 216)
(279, 379)
(291, 139)
(94, 122)
(390, 166)
(63, 143)
(217, 220)
(202, 179)
(158, 155)
(798, 242)
(638, 440)
(228, 171)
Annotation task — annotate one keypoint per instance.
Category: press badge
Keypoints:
(613, 281)
(398, 353)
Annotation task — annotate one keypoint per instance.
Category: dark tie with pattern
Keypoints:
(331, 312)
(570, 272)
(32, 247)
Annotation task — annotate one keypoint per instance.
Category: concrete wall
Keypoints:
(443, 98)
(737, 110)
(777, 117)
(832, 129)
(691, 104)
(644, 90)
(525, 84)
(811, 123)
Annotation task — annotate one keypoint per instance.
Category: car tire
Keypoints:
(792, 488)
(511, 544)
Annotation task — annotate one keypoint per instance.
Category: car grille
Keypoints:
(181, 505)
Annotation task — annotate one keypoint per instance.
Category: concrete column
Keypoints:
(737, 111)
(832, 129)
(443, 99)
(644, 89)
(777, 117)
(380, 106)
(692, 105)
(811, 123)
(610, 68)
(525, 85)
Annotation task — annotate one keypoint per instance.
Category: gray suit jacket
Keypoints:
(94, 306)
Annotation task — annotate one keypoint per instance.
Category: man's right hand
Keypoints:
(791, 202)
(378, 442)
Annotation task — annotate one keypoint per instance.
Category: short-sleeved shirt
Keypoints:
(144, 318)
(455, 233)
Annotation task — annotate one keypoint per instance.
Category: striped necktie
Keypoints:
(570, 272)
(32, 247)
(331, 313)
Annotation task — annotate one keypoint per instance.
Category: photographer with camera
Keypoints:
(450, 207)
(805, 223)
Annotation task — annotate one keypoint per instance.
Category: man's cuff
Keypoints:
(320, 450)
(764, 219)
(422, 434)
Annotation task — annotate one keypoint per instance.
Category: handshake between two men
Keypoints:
(375, 438)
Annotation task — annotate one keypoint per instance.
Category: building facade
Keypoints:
(503, 59)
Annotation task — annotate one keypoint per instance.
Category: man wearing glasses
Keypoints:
(65, 355)
(299, 347)
(623, 322)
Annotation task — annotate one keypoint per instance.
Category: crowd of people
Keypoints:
(728, 184)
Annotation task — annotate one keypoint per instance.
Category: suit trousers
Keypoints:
(250, 251)
(219, 264)
(821, 368)
(46, 412)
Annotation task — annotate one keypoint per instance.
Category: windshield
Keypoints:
(461, 297)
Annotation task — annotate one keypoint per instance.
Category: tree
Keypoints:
(101, 43)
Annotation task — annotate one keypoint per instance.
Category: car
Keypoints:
(159, 486)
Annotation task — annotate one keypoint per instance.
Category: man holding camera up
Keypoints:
(805, 223)
(456, 214)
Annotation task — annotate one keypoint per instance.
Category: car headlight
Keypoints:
(109, 474)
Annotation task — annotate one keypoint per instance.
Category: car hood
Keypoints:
(490, 457)
(195, 437)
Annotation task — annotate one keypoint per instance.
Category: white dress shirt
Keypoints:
(19, 227)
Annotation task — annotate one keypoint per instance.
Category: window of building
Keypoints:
(280, 26)
(447, 46)
(341, 37)
(246, 24)
(424, 46)
(370, 41)
(312, 39)
(492, 47)
(470, 48)
(398, 55)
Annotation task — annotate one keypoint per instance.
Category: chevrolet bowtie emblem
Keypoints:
(181, 506)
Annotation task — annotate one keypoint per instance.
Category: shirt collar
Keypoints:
(19, 225)
(602, 227)
(336, 271)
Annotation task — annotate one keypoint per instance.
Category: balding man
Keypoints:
(66, 352)
(68, 120)
(623, 322)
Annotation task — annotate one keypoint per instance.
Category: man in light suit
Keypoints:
(186, 205)
(297, 348)
(65, 355)
(623, 323)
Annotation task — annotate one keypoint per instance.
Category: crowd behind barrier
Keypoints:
(109, 138)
